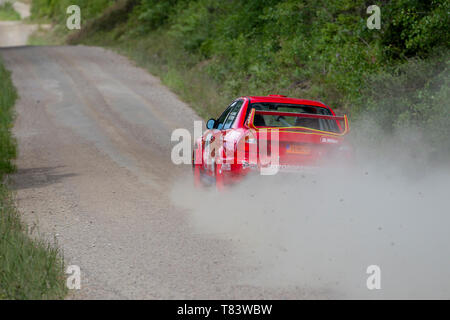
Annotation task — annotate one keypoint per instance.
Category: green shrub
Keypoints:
(56, 9)
(7, 12)
(8, 96)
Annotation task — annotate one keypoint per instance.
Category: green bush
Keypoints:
(8, 96)
(7, 12)
(415, 96)
(415, 27)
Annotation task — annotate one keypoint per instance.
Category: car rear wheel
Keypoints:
(203, 179)
(197, 176)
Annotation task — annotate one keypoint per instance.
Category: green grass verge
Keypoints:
(30, 268)
(7, 12)
(45, 37)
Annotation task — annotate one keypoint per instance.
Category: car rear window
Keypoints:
(274, 121)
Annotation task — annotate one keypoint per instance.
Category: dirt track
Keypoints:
(95, 171)
(16, 33)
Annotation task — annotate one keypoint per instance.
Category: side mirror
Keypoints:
(210, 124)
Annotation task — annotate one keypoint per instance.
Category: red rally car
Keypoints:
(267, 135)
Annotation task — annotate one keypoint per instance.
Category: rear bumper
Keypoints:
(285, 168)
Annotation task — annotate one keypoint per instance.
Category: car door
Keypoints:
(231, 117)
(228, 134)
(210, 136)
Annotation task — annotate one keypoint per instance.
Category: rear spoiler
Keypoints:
(250, 121)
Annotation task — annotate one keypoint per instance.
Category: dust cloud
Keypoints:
(322, 230)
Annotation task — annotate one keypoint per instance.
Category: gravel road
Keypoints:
(16, 33)
(94, 171)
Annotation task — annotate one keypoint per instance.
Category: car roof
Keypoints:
(284, 99)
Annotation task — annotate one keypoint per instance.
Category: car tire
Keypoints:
(219, 176)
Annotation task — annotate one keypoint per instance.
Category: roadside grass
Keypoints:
(30, 268)
(7, 12)
(8, 96)
(52, 36)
